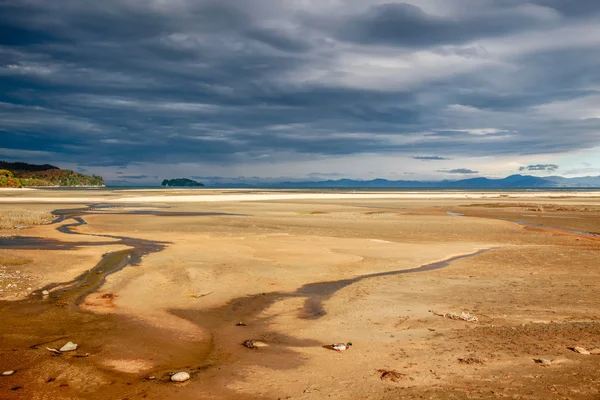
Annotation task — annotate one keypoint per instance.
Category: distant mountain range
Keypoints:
(510, 182)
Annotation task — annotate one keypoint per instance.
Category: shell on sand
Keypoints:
(180, 377)
(70, 346)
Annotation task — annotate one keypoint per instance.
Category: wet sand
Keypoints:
(148, 288)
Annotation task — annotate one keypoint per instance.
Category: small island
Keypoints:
(181, 182)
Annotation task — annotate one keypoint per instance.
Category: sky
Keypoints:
(142, 90)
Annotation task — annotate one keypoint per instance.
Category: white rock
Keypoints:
(595, 352)
(70, 346)
(581, 350)
(180, 377)
(45, 292)
(8, 373)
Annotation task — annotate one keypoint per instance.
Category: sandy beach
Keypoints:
(150, 283)
(192, 196)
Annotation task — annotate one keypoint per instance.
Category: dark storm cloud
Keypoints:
(458, 171)
(405, 24)
(226, 82)
(540, 167)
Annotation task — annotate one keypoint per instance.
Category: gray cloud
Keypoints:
(430, 158)
(540, 167)
(227, 82)
(458, 171)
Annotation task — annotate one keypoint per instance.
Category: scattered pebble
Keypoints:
(8, 373)
(543, 361)
(470, 360)
(251, 344)
(580, 350)
(70, 346)
(180, 377)
(240, 324)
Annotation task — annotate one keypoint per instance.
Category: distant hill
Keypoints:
(510, 182)
(181, 182)
(25, 174)
(22, 167)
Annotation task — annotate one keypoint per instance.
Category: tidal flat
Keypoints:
(153, 283)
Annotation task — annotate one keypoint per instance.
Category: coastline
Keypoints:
(184, 196)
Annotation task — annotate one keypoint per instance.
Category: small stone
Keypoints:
(70, 346)
(45, 293)
(580, 350)
(252, 344)
(595, 352)
(543, 361)
(8, 373)
(180, 377)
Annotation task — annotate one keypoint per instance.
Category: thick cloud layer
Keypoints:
(224, 82)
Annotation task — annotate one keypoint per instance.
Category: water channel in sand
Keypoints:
(51, 320)
(534, 225)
